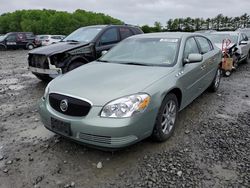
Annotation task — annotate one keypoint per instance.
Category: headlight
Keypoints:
(126, 106)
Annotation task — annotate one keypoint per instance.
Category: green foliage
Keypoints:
(51, 21)
(188, 24)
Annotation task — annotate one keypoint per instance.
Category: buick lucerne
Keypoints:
(133, 91)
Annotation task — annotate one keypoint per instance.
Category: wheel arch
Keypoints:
(178, 93)
(3, 46)
(79, 59)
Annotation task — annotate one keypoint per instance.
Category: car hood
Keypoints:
(57, 48)
(103, 82)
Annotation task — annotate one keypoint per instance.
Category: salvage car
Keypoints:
(80, 47)
(15, 40)
(238, 40)
(132, 92)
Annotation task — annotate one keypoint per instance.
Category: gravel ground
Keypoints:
(210, 147)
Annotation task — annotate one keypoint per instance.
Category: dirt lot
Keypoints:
(210, 147)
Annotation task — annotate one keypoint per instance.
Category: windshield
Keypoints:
(144, 51)
(2, 37)
(218, 38)
(85, 34)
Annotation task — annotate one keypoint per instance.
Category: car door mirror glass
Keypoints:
(193, 58)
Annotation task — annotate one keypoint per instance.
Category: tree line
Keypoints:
(219, 23)
(61, 22)
(51, 21)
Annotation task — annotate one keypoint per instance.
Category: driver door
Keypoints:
(107, 40)
(11, 41)
(191, 74)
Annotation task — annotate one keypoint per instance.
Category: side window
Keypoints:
(245, 38)
(56, 37)
(11, 38)
(190, 48)
(125, 33)
(204, 44)
(109, 37)
(241, 37)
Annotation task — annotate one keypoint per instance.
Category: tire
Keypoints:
(247, 60)
(2, 48)
(43, 77)
(74, 65)
(216, 81)
(227, 73)
(30, 46)
(164, 127)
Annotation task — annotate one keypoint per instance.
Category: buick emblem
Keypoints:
(64, 105)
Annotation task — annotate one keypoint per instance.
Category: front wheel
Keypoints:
(216, 81)
(166, 118)
(43, 77)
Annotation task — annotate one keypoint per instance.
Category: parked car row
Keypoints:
(27, 40)
(125, 91)
(15, 40)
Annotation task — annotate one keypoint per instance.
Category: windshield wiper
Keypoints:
(72, 41)
(99, 60)
(134, 63)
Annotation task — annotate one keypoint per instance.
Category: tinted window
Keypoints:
(204, 44)
(11, 38)
(125, 33)
(244, 37)
(56, 37)
(109, 37)
(190, 47)
(29, 35)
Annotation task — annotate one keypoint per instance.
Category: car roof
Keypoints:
(175, 35)
(226, 32)
(104, 26)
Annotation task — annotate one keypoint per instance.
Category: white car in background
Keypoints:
(50, 39)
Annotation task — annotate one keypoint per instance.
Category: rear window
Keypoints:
(125, 33)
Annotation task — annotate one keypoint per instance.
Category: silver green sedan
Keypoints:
(132, 92)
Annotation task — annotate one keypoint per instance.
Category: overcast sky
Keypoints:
(138, 11)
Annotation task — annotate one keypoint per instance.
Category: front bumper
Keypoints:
(54, 71)
(101, 132)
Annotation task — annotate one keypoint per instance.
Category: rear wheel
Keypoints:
(216, 81)
(166, 118)
(30, 46)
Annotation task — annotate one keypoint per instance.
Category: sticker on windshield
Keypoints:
(168, 40)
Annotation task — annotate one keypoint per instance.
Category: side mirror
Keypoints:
(104, 52)
(243, 42)
(193, 58)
